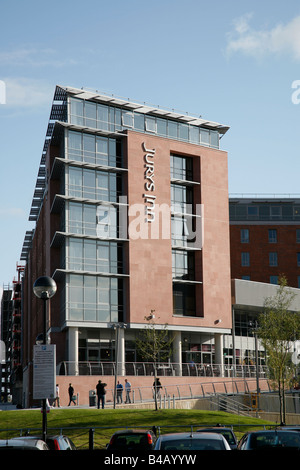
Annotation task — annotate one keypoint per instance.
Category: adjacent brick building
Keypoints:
(265, 239)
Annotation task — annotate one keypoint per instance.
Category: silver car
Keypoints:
(23, 444)
(187, 441)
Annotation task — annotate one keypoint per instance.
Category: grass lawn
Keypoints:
(105, 422)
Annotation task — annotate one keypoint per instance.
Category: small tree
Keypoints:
(154, 344)
(278, 327)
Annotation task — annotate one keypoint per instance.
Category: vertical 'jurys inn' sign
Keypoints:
(149, 184)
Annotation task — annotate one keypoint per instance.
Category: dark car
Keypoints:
(226, 432)
(274, 439)
(58, 442)
(131, 440)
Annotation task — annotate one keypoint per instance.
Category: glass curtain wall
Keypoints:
(183, 261)
(93, 254)
(111, 118)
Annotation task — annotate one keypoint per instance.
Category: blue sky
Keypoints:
(233, 62)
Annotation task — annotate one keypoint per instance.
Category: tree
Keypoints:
(278, 327)
(154, 345)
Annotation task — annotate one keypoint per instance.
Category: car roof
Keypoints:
(214, 428)
(132, 431)
(19, 442)
(187, 435)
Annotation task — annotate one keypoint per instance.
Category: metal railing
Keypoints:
(171, 392)
(162, 369)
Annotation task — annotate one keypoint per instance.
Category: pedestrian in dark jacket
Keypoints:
(71, 395)
(100, 390)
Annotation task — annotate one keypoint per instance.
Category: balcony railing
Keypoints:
(163, 369)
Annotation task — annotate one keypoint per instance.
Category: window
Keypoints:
(298, 235)
(127, 118)
(94, 255)
(184, 299)
(296, 211)
(82, 219)
(90, 114)
(75, 146)
(150, 124)
(139, 121)
(298, 259)
(244, 235)
(181, 168)
(173, 129)
(182, 198)
(183, 265)
(275, 212)
(245, 259)
(92, 298)
(272, 236)
(76, 111)
(273, 259)
(252, 212)
(274, 280)
(106, 221)
(204, 136)
(194, 134)
(182, 230)
(161, 126)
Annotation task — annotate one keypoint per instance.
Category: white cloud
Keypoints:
(27, 92)
(34, 57)
(281, 39)
(15, 212)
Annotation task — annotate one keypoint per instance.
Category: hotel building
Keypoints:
(131, 220)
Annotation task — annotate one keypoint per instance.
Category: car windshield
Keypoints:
(130, 441)
(226, 433)
(275, 439)
(192, 444)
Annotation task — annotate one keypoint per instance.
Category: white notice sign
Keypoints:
(44, 377)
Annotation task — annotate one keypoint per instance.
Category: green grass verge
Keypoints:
(77, 422)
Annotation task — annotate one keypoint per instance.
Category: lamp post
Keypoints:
(44, 288)
(254, 326)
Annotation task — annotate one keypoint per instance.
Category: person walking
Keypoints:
(100, 390)
(72, 398)
(157, 386)
(56, 401)
(127, 391)
(119, 393)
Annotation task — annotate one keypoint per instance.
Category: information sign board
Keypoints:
(44, 377)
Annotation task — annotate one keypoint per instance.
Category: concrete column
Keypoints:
(219, 352)
(73, 368)
(177, 353)
(120, 337)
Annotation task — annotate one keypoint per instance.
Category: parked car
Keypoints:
(226, 432)
(269, 440)
(58, 442)
(132, 439)
(23, 444)
(290, 428)
(191, 441)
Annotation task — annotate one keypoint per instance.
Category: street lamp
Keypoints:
(44, 288)
(254, 326)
